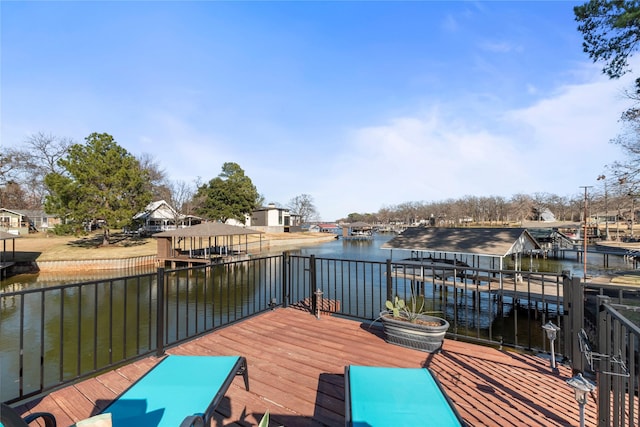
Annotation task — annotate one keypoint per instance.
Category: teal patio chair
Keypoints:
(379, 396)
(180, 390)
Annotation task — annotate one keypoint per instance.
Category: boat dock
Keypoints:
(517, 286)
(4, 268)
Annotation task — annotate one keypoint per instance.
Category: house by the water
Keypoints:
(23, 221)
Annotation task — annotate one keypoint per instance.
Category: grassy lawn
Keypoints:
(48, 247)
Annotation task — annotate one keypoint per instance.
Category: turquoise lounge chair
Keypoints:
(180, 390)
(377, 396)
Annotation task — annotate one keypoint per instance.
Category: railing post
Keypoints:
(160, 290)
(566, 321)
(285, 279)
(389, 282)
(603, 381)
(573, 300)
(312, 283)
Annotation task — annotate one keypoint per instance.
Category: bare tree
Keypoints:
(521, 206)
(32, 163)
(181, 198)
(7, 167)
(303, 206)
(159, 184)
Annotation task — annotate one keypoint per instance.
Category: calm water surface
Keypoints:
(344, 249)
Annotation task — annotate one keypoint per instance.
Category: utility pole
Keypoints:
(584, 236)
(606, 207)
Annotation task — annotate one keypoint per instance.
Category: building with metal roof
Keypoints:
(203, 241)
(482, 242)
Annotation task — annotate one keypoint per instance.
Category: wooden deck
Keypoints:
(296, 366)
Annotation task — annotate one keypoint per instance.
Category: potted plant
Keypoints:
(410, 326)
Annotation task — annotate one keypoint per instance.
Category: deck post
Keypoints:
(312, 283)
(603, 381)
(285, 278)
(573, 300)
(389, 282)
(160, 289)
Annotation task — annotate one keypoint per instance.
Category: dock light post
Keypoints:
(552, 333)
(581, 386)
(606, 207)
(318, 294)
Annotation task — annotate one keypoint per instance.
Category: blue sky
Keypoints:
(362, 105)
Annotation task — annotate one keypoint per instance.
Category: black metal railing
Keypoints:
(498, 307)
(57, 335)
(614, 360)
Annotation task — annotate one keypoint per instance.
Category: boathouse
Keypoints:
(5, 264)
(204, 243)
(357, 231)
(495, 243)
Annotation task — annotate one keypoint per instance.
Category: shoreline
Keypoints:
(39, 255)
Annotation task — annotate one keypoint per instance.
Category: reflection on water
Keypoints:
(54, 278)
(366, 250)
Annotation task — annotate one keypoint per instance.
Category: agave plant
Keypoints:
(399, 309)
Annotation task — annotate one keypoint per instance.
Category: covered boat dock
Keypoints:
(5, 262)
(204, 243)
(451, 257)
(439, 244)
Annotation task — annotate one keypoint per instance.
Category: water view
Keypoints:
(363, 250)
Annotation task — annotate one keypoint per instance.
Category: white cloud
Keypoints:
(554, 146)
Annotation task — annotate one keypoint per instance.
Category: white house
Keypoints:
(20, 221)
(157, 216)
(274, 219)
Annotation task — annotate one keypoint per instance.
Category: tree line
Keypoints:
(100, 182)
(502, 211)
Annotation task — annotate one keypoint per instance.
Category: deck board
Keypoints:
(296, 366)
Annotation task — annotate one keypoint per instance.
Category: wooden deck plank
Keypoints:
(296, 372)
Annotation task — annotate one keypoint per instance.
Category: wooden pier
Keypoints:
(5, 267)
(516, 287)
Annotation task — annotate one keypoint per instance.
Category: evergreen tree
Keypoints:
(231, 195)
(100, 181)
(611, 31)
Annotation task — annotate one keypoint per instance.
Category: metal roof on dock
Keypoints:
(208, 229)
(494, 242)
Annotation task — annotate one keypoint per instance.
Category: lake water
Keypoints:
(370, 251)
(365, 250)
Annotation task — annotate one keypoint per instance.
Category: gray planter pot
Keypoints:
(413, 335)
